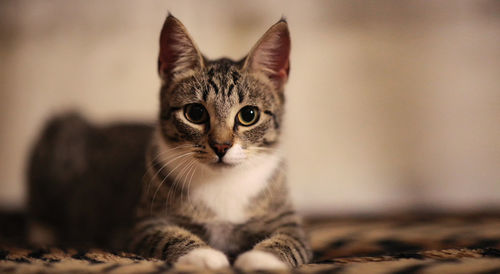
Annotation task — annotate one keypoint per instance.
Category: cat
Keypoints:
(214, 191)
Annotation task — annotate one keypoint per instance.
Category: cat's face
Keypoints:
(221, 113)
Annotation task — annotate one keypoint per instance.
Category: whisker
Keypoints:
(160, 154)
(183, 172)
(189, 183)
(164, 179)
(191, 167)
(175, 182)
(149, 165)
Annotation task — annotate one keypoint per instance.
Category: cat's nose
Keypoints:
(220, 149)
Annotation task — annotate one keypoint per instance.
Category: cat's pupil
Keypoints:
(248, 114)
(195, 113)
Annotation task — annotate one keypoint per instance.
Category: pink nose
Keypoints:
(220, 149)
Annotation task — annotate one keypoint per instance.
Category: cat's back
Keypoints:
(84, 180)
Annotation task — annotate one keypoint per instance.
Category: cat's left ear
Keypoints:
(271, 54)
(178, 52)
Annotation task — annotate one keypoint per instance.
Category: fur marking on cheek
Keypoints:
(186, 131)
(167, 114)
(276, 124)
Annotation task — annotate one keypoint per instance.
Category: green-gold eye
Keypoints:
(196, 113)
(248, 116)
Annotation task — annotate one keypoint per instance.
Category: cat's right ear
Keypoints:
(271, 54)
(178, 52)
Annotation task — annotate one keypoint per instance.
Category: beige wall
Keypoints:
(391, 105)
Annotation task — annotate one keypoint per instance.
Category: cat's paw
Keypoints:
(204, 258)
(259, 260)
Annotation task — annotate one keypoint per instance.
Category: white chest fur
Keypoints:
(229, 191)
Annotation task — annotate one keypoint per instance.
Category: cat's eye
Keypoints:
(196, 113)
(248, 116)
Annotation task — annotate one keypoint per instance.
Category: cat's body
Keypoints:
(214, 189)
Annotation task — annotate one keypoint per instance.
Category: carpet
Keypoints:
(409, 243)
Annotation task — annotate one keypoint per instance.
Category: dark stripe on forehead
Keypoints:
(236, 76)
(210, 72)
(224, 66)
(205, 94)
(214, 86)
(241, 95)
(230, 90)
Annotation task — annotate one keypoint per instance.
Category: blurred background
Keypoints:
(392, 105)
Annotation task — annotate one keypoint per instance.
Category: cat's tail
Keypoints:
(57, 160)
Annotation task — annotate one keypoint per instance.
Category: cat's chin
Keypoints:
(222, 165)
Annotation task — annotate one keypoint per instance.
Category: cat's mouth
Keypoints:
(221, 164)
(233, 157)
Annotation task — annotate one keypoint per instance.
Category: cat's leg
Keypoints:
(176, 245)
(286, 247)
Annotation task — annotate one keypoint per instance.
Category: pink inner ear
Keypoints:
(283, 73)
(272, 54)
(177, 50)
(168, 53)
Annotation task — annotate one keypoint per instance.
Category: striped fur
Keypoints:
(193, 199)
(195, 205)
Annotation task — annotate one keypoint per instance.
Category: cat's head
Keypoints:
(221, 113)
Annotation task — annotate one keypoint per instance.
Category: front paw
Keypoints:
(259, 260)
(204, 258)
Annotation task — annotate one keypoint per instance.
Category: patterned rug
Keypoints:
(417, 243)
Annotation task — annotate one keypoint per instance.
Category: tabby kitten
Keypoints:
(214, 192)
(217, 188)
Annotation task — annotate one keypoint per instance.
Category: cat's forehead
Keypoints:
(221, 91)
(222, 78)
(229, 87)
(223, 67)
(223, 86)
